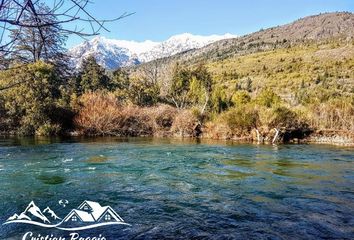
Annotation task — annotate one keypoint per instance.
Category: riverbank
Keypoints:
(328, 137)
(341, 138)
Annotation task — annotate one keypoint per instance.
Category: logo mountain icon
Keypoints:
(14, 217)
(31, 213)
(50, 214)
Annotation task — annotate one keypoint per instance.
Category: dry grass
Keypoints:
(186, 124)
(99, 114)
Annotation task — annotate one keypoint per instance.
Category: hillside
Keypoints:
(330, 65)
(317, 28)
(309, 64)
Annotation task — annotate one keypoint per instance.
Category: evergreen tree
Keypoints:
(28, 105)
(93, 77)
(190, 87)
(179, 89)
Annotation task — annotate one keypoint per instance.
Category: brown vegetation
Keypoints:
(100, 113)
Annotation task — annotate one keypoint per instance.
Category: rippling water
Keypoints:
(183, 189)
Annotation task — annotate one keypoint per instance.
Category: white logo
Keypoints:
(88, 215)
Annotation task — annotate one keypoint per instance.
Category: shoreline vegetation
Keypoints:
(100, 114)
(278, 91)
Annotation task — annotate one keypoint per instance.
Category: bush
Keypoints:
(164, 116)
(48, 129)
(336, 114)
(100, 114)
(135, 121)
(267, 98)
(186, 124)
(217, 130)
(241, 119)
(283, 117)
(240, 98)
(278, 117)
(26, 104)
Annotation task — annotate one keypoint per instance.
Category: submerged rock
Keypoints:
(52, 180)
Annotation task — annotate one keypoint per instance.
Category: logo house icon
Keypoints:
(92, 212)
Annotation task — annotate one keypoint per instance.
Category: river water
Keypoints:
(173, 189)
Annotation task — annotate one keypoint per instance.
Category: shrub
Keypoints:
(240, 98)
(219, 100)
(186, 124)
(283, 117)
(143, 92)
(217, 130)
(336, 114)
(267, 98)
(164, 116)
(241, 119)
(100, 114)
(278, 117)
(26, 104)
(48, 129)
(135, 121)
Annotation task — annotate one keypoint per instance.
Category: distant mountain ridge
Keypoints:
(316, 28)
(112, 54)
(311, 28)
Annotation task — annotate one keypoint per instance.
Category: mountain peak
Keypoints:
(51, 213)
(113, 53)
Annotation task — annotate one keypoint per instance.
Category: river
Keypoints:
(174, 189)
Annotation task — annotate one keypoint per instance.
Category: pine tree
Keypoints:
(93, 77)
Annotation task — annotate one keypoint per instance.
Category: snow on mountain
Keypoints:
(180, 43)
(112, 54)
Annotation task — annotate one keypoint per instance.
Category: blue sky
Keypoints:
(159, 19)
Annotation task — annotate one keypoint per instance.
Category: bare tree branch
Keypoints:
(63, 11)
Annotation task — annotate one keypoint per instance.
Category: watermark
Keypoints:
(87, 215)
(72, 236)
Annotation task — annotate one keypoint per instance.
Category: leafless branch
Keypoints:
(63, 11)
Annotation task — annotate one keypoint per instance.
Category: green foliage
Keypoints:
(241, 119)
(190, 87)
(27, 104)
(240, 98)
(93, 77)
(267, 98)
(48, 129)
(142, 92)
(179, 89)
(121, 83)
(283, 117)
(219, 100)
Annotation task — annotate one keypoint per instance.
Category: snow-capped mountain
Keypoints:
(112, 54)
